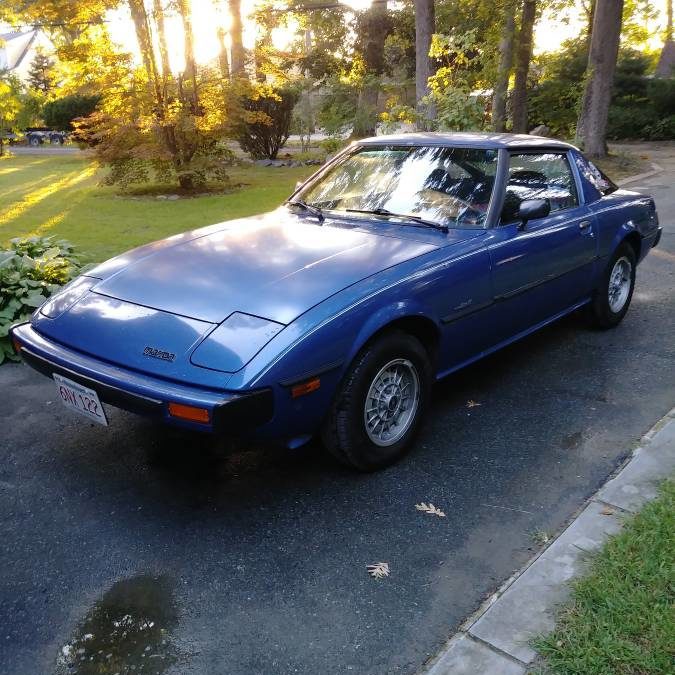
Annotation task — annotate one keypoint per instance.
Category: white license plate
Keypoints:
(79, 398)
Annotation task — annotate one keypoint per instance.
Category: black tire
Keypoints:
(34, 141)
(344, 432)
(600, 311)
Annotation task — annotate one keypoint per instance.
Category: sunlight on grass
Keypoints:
(62, 196)
(38, 195)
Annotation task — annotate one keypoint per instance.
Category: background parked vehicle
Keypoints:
(39, 136)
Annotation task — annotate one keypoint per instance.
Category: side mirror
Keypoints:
(531, 209)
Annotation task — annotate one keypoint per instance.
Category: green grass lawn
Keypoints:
(61, 195)
(622, 615)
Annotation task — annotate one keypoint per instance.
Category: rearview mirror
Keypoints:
(531, 209)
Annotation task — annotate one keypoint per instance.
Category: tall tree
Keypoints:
(425, 27)
(237, 59)
(158, 15)
(223, 60)
(592, 125)
(41, 73)
(185, 11)
(144, 38)
(666, 65)
(373, 26)
(522, 69)
(501, 86)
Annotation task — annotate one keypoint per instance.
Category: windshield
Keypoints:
(449, 186)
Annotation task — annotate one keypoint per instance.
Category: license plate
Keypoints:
(79, 398)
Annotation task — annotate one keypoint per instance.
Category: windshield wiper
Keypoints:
(406, 216)
(313, 210)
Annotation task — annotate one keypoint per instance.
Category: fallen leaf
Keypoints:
(378, 570)
(430, 509)
(607, 511)
(472, 404)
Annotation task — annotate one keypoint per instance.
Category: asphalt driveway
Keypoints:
(133, 546)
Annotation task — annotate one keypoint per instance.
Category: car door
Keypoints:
(544, 266)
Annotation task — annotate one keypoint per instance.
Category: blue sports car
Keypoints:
(402, 260)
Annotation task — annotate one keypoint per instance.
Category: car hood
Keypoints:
(275, 266)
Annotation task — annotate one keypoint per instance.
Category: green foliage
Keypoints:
(555, 98)
(338, 105)
(60, 113)
(31, 270)
(266, 122)
(453, 86)
(642, 107)
(332, 144)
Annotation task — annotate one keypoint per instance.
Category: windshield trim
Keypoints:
(355, 147)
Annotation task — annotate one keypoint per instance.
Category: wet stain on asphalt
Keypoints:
(127, 631)
(572, 441)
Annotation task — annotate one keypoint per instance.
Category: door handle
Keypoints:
(584, 224)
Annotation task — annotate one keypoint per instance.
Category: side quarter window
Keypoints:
(539, 176)
(594, 176)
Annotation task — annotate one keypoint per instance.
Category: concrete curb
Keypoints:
(640, 176)
(495, 640)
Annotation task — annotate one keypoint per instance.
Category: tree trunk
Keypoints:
(237, 61)
(592, 124)
(144, 39)
(523, 58)
(158, 12)
(589, 25)
(222, 54)
(425, 27)
(504, 70)
(185, 11)
(373, 27)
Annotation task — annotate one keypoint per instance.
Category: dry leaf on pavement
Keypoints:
(430, 509)
(378, 570)
(472, 404)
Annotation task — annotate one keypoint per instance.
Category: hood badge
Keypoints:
(159, 354)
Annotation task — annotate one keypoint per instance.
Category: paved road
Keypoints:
(47, 149)
(159, 551)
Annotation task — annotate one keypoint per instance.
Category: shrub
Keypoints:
(60, 113)
(332, 144)
(629, 121)
(266, 122)
(31, 270)
(662, 130)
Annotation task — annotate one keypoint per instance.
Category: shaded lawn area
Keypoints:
(622, 615)
(60, 195)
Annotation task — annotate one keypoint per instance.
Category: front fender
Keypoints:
(386, 315)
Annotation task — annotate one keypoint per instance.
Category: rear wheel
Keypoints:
(381, 401)
(613, 295)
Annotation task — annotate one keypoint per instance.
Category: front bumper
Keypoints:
(657, 239)
(233, 412)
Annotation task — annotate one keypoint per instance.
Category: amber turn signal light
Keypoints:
(189, 412)
(16, 344)
(305, 387)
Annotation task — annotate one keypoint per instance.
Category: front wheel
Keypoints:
(613, 295)
(380, 404)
